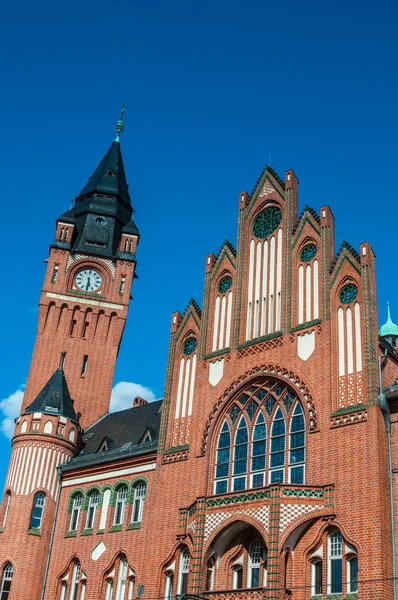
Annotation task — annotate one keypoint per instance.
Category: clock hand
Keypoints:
(88, 283)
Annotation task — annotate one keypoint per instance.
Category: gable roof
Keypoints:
(124, 427)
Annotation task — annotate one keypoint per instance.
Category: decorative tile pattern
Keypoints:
(261, 514)
(267, 189)
(290, 512)
(74, 257)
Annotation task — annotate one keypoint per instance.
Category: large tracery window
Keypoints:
(261, 440)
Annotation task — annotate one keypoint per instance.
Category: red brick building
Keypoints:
(265, 472)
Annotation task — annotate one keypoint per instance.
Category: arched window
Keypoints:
(93, 503)
(6, 581)
(277, 452)
(352, 574)
(316, 577)
(258, 452)
(120, 507)
(109, 589)
(335, 563)
(222, 460)
(7, 503)
(138, 502)
(183, 572)
(121, 578)
(254, 567)
(267, 410)
(37, 511)
(210, 575)
(168, 588)
(76, 508)
(237, 577)
(297, 446)
(240, 456)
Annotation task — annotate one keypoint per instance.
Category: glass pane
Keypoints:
(224, 440)
(277, 460)
(239, 484)
(258, 480)
(278, 444)
(258, 463)
(241, 452)
(278, 428)
(297, 475)
(240, 467)
(297, 440)
(255, 577)
(354, 574)
(336, 576)
(297, 456)
(318, 577)
(297, 424)
(258, 448)
(223, 456)
(221, 487)
(241, 435)
(222, 470)
(277, 476)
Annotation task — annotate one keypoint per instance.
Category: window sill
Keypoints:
(133, 526)
(87, 532)
(70, 534)
(1, 529)
(115, 528)
(34, 531)
(100, 531)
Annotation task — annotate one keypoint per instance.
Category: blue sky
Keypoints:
(213, 89)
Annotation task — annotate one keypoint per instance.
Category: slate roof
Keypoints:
(54, 398)
(109, 177)
(124, 427)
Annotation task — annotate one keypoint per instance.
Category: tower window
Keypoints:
(84, 364)
(122, 281)
(37, 511)
(55, 274)
(7, 507)
(61, 233)
(62, 361)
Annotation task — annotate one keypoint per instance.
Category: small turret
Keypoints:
(389, 330)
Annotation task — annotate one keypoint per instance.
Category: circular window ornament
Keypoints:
(224, 284)
(348, 293)
(308, 252)
(189, 345)
(267, 221)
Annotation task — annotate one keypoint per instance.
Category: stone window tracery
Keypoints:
(261, 439)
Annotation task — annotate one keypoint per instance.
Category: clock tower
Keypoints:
(86, 291)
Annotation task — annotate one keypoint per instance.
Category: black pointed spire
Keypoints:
(109, 177)
(54, 398)
(103, 208)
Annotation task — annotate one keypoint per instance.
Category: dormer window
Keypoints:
(110, 173)
(103, 447)
(147, 437)
(51, 408)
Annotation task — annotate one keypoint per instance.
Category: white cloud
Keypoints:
(124, 392)
(10, 409)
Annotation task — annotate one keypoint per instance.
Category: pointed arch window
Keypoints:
(37, 511)
(335, 563)
(182, 586)
(168, 590)
(93, 503)
(74, 586)
(240, 456)
(277, 452)
(222, 459)
(6, 581)
(210, 574)
(237, 577)
(297, 446)
(262, 439)
(256, 574)
(258, 452)
(352, 574)
(121, 579)
(76, 508)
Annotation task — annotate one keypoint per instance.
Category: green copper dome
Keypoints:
(389, 328)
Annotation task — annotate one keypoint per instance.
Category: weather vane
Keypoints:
(120, 123)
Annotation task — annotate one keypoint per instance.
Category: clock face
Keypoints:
(88, 280)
